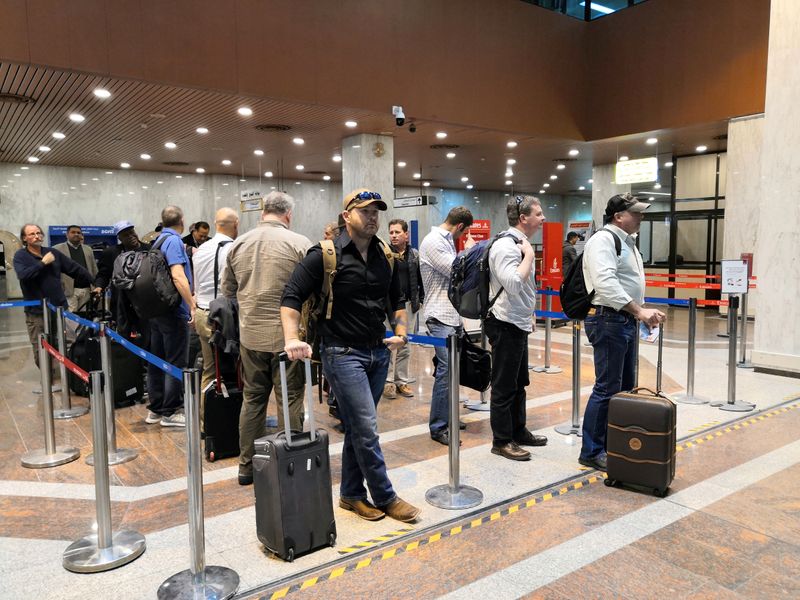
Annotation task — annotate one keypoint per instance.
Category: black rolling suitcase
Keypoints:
(292, 480)
(222, 406)
(641, 437)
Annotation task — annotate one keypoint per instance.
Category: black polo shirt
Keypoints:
(361, 291)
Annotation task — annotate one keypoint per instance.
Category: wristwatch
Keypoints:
(404, 338)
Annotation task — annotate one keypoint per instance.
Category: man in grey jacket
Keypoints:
(83, 255)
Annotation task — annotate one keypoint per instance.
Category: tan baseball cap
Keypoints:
(363, 197)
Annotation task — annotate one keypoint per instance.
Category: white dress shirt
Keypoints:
(517, 301)
(615, 280)
(436, 254)
(203, 261)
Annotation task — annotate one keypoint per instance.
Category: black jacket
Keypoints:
(39, 280)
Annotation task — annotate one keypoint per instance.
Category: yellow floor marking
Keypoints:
(363, 563)
(476, 523)
(679, 449)
(389, 554)
(494, 516)
(578, 485)
(455, 530)
(280, 594)
(435, 538)
(530, 502)
(309, 582)
(337, 573)
(412, 546)
(547, 496)
(699, 440)
(513, 509)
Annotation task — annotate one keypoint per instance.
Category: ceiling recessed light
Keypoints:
(668, 164)
(451, 155)
(144, 156)
(657, 186)
(170, 145)
(650, 199)
(326, 177)
(441, 135)
(511, 161)
(581, 187)
(417, 175)
(200, 170)
(470, 186)
(464, 179)
(511, 144)
(125, 165)
(245, 111)
(25, 168)
(77, 118)
(509, 173)
(226, 162)
(553, 177)
(44, 148)
(258, 152)
(651, 141)
(545, 185)
(591, 181)
(351, 124)
(268, 174)
(509, 182)
(623, 158)
(541, 191)
(561, 166)
(299, 141)
(202, 130)
(178, 176)
(58, 135)
(101, 93)
(299, 167)
(337, 158)
(701, 148)
(426, 184)
(33, 159)
(401, 164)
(574, 152)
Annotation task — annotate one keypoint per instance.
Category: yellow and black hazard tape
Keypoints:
(551, 493)
(704, 426)
(375, 541)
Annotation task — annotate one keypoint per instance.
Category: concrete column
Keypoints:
(368, 162)
(777, 345)
(603, 188)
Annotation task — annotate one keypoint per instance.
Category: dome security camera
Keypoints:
(399, 115)
(412, 128)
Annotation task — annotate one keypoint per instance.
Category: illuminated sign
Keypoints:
(636, 171)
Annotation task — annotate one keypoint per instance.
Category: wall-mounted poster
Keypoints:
(251, 200)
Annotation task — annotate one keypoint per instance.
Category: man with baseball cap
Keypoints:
(618, 283)
(354, 353)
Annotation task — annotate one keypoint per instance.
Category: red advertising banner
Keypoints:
(481, 230)
(551, 275)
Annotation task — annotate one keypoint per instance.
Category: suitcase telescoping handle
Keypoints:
(283, 359)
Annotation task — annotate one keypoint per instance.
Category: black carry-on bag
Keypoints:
(641, 437)
(292, 480)
(222, 406)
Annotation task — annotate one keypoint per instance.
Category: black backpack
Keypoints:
(146, 279)
(470, 280)
(575, 300)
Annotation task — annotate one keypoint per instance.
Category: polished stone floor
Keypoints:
(547, 528)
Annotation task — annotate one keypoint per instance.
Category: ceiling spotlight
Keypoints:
(511, 144)
(77, 118)
(226, 162)
(299, 167)
(541, 191)
(44, 148)
(668, 164)
(326, 177)
(144, 156)
(509, 173)
(701, 148)
(58, 135)
(337, 158)
(545, 185)
(574, 152)
(125, 165)
(268, 174)
(351, 124)
(581, 187)
(258, 152)
(401, 164)
(199, 170)
(102, 94)
(441, 135)
(170, 145)
(451, 155)
(33, 159)
(561, 166)
(509, 182)
(553, 177)
(657, 186)
(202, 130)
(511, 161)
(464, 179)
(651, 141)
(426, 184)
(299, 141)
(470, 186)
(245, 111)
(623, 158)
(417, 175)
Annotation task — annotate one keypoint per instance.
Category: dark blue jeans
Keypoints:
(357, 376)
(169, 339)
(613, 337)
(440, 395)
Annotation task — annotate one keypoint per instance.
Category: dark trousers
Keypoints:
(509, 379)
(169, 340)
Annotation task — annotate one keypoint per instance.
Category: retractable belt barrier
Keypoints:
(425, 340)
(66, 362)
(13, 303)
(168, 368)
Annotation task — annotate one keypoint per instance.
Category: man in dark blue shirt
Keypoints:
(39, 271)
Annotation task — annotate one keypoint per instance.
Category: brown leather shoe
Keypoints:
(511, 451)
(362, 508)
(404, 390)
(530, 439)
(401, 510)
(389, 391)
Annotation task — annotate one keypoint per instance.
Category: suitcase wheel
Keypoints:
(332, 539)
(290, 555)
(610, 482)
(661, 493)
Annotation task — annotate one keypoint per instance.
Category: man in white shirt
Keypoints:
(618, 284)
(508, 325)
(436, 254)
(209, 261)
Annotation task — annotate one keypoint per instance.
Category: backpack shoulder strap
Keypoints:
(617, 241)
(216, 265)
(390, 256)
(159, 242)
(329, 272)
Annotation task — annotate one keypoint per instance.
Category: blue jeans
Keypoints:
(357, 376)
(440, 397)
(169, 339)
(613, 337)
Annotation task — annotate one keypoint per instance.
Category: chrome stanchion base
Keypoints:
(684, 398)
(745, 365)
(70, 413)
(38, 391)
(549, 370)
(569, 429)
(737, 406)
(479, 406)
(83, 556)
(443, 496)
(122, 455)
(214, 583)
(40, 459)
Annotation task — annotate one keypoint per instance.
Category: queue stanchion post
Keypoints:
(636, 357)
(689, 397)
(727, 333)
(744, 363)
(66, 410)
(574, 426)
(733, 405)
(104, 550)
(200, 581)
(453, 495)
(47, 331)
(51, 455)
(548, 329)
(116, 455)
(483, 404)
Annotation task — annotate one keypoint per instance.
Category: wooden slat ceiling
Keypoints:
(140, 117)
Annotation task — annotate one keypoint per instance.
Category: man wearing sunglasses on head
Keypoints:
(354, 353)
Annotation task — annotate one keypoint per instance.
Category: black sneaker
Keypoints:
(245, 479)
(596, 462)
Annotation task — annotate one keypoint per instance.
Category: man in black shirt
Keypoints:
(355, 355)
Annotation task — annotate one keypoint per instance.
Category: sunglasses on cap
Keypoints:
(364, 196)
(519, 200)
